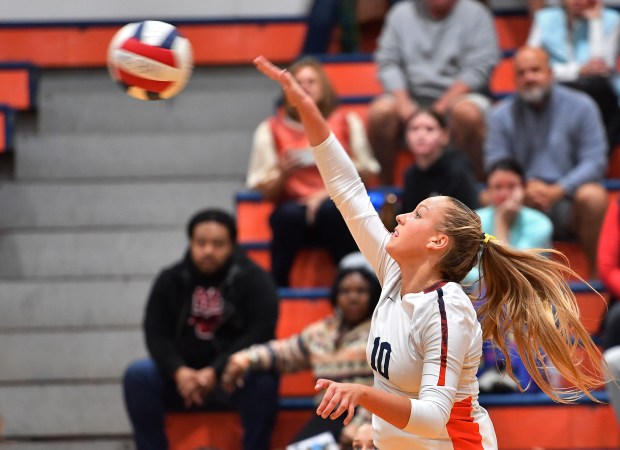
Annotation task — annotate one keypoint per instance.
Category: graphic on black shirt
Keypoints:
(207, 311)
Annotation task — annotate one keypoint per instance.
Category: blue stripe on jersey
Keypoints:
(444, 339)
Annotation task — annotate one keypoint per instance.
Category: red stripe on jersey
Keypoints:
(444, 339)
(162, 55)
(435, 286)
(149, 85)
(463, 431)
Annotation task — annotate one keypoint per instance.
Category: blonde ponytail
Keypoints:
(526, 294)
(528, 300)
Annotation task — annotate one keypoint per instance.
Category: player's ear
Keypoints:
(438, 241)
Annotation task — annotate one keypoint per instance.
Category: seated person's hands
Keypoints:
(541, 195)
(595, 67)
(508, 209)
(313, 203)
(232, 377)
(188, 386)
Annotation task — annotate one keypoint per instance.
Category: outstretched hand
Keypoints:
(338, 398)
(293, 92)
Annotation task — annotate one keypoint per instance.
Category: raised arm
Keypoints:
(338, 172)
(315, 126)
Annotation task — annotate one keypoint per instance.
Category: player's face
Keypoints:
(502, 185)
(425, 136)
(210, 246)
(353, 298)
(309, 80)
(416, 229)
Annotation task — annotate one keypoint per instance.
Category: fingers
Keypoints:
(329, 402)
(350, 414)
(267, 68)
(321, 384)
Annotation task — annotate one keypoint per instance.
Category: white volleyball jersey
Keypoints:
(426, 346)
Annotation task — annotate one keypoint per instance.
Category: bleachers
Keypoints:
(117, 230)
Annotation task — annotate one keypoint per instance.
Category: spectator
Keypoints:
(437, 54)
(282, 168)
(436, 170)
(200, 311)
(556, 135)
(334, 347)
(506, 217)
(581, 38)
(609, 269)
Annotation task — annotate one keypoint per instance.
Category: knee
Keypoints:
(287, 214)
(381, 111)
(263, 385)
(138, 373)
(328, 211)
(466, 115)
(591, 197)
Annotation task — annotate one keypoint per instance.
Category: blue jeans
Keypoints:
(148, 395)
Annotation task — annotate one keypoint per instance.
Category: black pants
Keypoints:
(291, 232)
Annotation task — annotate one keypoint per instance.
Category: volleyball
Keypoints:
(150, 60)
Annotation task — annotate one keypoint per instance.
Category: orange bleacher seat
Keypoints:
(555, 427)
(354, 78)
(18, 85)
(295, 315)
(576, 258)
(214, 42)
(253, 220)
(503, 77)
(313, 267)
(512, 30)
(592, 308)
(222, 430)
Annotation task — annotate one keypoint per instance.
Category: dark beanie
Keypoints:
(213, 215)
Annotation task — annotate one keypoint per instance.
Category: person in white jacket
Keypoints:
(425, 339)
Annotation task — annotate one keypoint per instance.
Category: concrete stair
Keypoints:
(94, 204)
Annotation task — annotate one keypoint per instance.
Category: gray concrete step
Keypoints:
(215, 99)
(32, 306)
(78, 409)
(73, 444)
(68, 356)
(89, 254)
(84, 203)
(222, 154)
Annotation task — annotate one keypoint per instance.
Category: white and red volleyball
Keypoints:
(150, 60)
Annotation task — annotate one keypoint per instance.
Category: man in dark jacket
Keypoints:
(201, 310)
